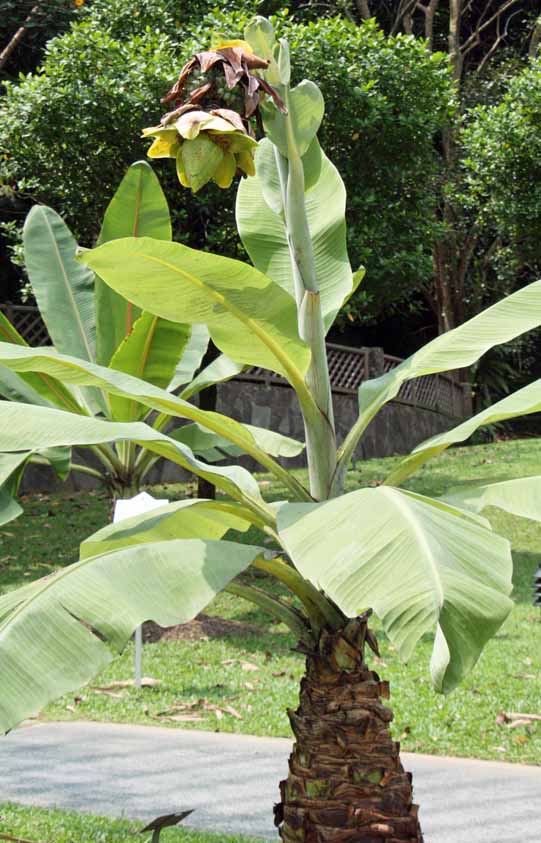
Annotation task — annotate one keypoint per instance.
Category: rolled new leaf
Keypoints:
(262, 230)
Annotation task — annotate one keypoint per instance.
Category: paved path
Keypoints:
(231, 780)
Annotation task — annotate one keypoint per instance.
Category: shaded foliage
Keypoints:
(101, 82)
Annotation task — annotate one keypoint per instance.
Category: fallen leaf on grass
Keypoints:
(108, 693)
(243, 665)
(515, 715)
(232, 711)
(16, 839)
(146, 682)
(517, 719)
(188, 711)
(184, 718)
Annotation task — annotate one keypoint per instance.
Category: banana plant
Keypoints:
(86, 319)
(424, 566)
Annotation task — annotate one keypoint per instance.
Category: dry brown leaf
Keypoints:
(233, 712)
(513, 715)
(184, 718)
(249, 666)
(106, 693)
(146, 682)
(249, 686)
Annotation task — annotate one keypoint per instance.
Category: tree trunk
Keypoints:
(18, 37)
(346, 783)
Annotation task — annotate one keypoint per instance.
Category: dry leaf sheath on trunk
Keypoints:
(346, 783)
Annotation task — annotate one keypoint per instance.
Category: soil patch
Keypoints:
(203, 626)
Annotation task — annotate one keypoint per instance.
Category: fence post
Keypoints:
(467, 400)
(375, 362)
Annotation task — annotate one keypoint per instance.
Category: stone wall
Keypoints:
(397, 429)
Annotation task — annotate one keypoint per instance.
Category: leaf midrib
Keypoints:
(288, 365)
(68, 286)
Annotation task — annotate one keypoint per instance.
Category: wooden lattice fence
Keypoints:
(28, 322)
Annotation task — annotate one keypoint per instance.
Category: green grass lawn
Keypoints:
(45, 826)
(244, 683)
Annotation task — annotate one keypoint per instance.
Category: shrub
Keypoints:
(503, 166)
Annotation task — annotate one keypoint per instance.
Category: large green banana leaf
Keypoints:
(192, 357)
(520, 496)
(249, 317)
(16, 388)
(220, 370)
(10, 464)
(261, 225)
(151, 352)
(521, 403)
(188, 519)
(422, 565)
(138, 209)
(9, 508)
(63, 287)
(457, 349)
(36, 428)
(30, 388)
(64, 290)
(214, 448)
(59, 632)
(71, 370)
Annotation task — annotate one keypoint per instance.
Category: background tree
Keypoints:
(105, 75)
(25, 28)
